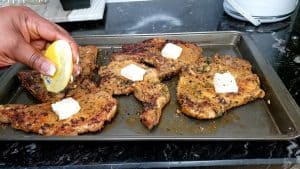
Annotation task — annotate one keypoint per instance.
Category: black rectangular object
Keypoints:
(75, 4)
(276, 117)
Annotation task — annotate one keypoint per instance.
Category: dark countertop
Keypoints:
(172, 16)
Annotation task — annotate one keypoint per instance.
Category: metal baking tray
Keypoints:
(276, 117)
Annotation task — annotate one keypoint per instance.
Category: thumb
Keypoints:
(28, 55)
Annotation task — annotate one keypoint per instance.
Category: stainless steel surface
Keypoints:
(276, 117)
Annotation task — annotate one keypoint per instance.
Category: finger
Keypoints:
(73, 45)
(39, 44)
(6, 61)
(59, 33)
(51, 32)
(76, 70)
(75, 54)
(76, 67)
(26, 54)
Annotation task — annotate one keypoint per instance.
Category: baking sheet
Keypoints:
(276, 117)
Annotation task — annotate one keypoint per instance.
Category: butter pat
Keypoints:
(225, 83)
(171, 51)
(65, 108)
(133, 72)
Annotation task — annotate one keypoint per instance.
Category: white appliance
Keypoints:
(260, 11)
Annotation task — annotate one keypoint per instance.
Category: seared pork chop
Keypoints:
(112, 81)
(154, 94)
(196, 93)
(31, 80)
(87, 60)
(149, 53)
(96, 109)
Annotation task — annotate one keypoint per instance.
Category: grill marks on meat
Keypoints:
(196, 94)
(149, 53)
(151, 92)
(96, 109)
(32, 81)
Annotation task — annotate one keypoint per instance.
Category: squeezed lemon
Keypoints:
(60, 53)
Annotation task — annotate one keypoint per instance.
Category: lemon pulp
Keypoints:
(60, 53)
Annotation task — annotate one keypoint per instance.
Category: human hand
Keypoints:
(24, 35)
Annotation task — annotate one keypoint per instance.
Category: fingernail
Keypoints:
(49, 69)
(77, 60)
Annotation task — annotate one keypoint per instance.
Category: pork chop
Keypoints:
(87, 60)
(31, 80)
(96, 109)
(149, 53)
(196, 93)
(150, 91)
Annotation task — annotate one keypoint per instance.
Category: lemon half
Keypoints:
(60, 53)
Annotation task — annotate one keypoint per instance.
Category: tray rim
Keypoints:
(257, 55)
(77, 37)
(157, 34)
